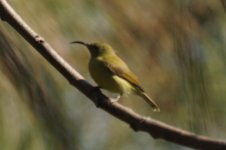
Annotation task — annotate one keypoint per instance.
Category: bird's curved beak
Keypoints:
(79, 42)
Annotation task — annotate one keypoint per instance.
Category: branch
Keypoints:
(137, 122)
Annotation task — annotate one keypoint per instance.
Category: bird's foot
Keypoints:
(96, 89)
(115, 99)
(93, 92)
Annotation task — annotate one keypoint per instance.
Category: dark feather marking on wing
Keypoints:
(124, 72)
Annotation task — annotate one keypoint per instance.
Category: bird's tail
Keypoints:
(151, 102)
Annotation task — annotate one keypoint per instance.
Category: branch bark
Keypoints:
(137, 122)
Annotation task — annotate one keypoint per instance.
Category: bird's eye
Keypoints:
(94, 46)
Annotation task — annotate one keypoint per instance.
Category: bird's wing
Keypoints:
(119, 68)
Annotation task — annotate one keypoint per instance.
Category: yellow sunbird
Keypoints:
(111, 73)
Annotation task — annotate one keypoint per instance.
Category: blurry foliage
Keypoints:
(176, 48)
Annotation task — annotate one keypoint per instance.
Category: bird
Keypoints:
(111, 73)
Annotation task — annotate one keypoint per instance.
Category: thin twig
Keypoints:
(137, 122)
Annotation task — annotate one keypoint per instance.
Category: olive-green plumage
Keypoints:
(111, 73)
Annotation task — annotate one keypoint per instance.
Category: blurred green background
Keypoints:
(176, 48)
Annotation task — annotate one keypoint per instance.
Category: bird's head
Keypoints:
(97, 49)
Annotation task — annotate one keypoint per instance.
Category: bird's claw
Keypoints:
(95, 89)
(115, 99)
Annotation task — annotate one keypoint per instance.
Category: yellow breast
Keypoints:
(106, 79)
